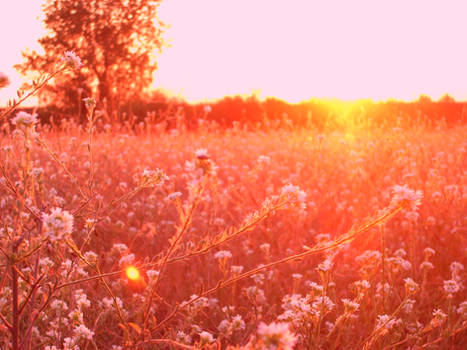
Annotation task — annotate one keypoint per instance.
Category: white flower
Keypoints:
(276, 336)
(201, 153)
(236, 269)
(350, 306)
(90, 257)
(90, 103)
(72, 60)
(426, 265)
(24, 120)
(183, 337)
(438, 318)
(410, 285)
(57, 224)
(81, 299)
(82, 331)
(294, 191)
(385, 321)
(37, 172)
(297, 276)
(451, 286)
(326, 265)
(58, 304)
(152, 274)
(264, 160)
(462, 309)
(156, 176)
(127, 260)
(206, 337)
(405, 197)
(223, 254)
(174, 195)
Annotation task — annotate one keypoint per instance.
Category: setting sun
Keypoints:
(255, 174)
(132, 273)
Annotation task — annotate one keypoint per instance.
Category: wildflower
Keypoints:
(265, 248)
(264, 160)
(90, 257)
(174, 195)
(410, 286)
(24, 120)
(323, 304)
(207, 109)
(81, 299)
(405, 197)
(90, 103)
(37, 172)
(456, 267)
(59, 305)
(400, 253)
(223, 254)
(236, 269)
(183, 337)
(429, 252)
(255, 294)
(325, 266)
(462, 309)
(438, 318)
(82, 331)
(350, 306)
(156, 176)
(385, 321)
(290, 189)
(127, 259)
(201, 153)
(237, 323)
(57, 224)
(205, 338)
(276, 336)
(72, 60)
(90, 223)
(297, 276)
(76, 316)
(451, 286)
(408, 306)
(426, 265)
(152, 274)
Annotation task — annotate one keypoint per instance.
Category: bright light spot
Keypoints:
(132, 273)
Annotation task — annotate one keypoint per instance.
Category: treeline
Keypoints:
(275, 113)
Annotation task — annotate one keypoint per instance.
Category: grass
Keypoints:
(231, 238)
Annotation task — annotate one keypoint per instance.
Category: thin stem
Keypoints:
(32, 92)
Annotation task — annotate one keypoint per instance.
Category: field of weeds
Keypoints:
(232, 238)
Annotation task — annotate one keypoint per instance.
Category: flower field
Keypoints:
(241, 239)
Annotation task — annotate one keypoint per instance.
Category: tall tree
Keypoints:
(116, 40)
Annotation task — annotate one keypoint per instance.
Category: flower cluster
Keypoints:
(58, 224)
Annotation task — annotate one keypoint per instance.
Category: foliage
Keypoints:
(116, 41)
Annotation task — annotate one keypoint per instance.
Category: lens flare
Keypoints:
(132, 273)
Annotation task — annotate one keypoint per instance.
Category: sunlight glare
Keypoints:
(132, 273)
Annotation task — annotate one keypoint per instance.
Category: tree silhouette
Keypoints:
(116, 40)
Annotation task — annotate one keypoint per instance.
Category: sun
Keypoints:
(132, 273)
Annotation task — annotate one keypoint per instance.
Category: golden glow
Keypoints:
(296, 50)
(132, 273)
(292, 50)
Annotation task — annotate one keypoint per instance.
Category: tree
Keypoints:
(116, 40)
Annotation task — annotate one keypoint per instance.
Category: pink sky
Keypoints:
(292, 49)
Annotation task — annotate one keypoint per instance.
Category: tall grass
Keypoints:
(241, 239)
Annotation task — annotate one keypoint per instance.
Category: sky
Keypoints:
(291, 49)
